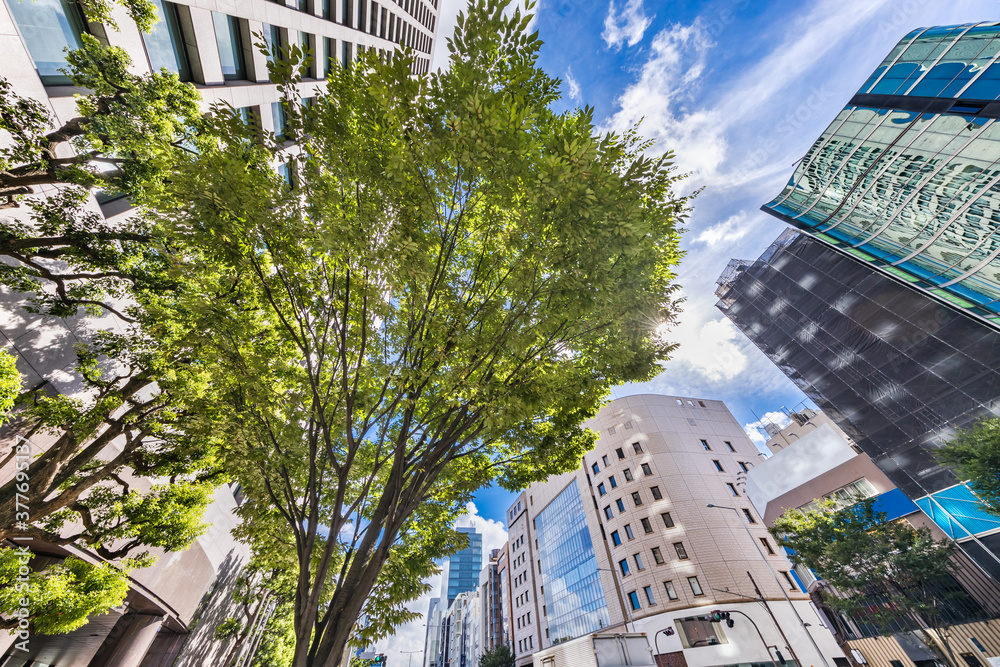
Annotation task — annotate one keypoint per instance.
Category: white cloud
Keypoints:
(627, 26)
(573, 85)
(753, 428)
(727, 232)
(410, 637)
(712, 349)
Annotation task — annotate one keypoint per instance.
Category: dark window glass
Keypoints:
(346, 9)
(657, 556)
(230, 41)
(628, 475)
(623, 564)
(347, 48)
(595, 468)
(616, 538)
(608, 513)
(749, 516)
(646, 470)
(704, 443)
(668, 521)
(682, 553)
(600, 489)
(614, 482)
(620, 452)
(646, 525)
(732, 489)
(656, 493)
(330, 49)
(47, 27)
(165, 42)
(278, 115)
(730, 445)
(637, 499)
(767, 545)
(621, 505)
(637, 447)
(718, 466)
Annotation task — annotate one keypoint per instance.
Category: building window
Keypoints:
(278, 116)
(361, 15)
(696, 631)
(671, 592)
(608, 513)
(657, 556)
(749, 516)
(628, 531)
(732, 489)
(347, 9)
(695, 586)
(623, 564)
(637, 447)
(165, 42)
(647, 527)
(307, 46)
(601, 490)
(682, 553)
(274, 38)
(788, 578)
(718, 466)
(614, 482)
(330, 51)
(47, 28)
(704, 443)
(648, 590)
(634, 600)
(616, 539)
(655, 490)
(605, 459)
(229, 36)
(328, 10)
(646, 470)
(621, 505)
(767, 546)
(638, 562)
(628, 475)
(743, 466)
(620, 452)
(668, 521)
(730, 445)
(636, 498)
(346, 55)
(595, 468)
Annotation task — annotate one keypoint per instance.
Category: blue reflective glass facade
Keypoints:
(907, 177)
(958, 512)
(464, 566)
(574, 598)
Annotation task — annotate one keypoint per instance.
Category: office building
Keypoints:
(906, 178)
(491, 582)
(462, 569)
(896, 369)
(818, 461)
(173, 608)
(627, 540)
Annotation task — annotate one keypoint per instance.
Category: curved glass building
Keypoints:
(907, 177)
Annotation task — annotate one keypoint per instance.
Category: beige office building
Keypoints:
(628, 539)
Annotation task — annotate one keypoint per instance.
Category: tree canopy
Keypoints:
(440, 282)
(974, 454)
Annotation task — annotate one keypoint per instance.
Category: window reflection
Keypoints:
(47, 28)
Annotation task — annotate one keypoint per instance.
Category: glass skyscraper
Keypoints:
(907, 177)
(574, 598)
(464, 566)
(896, 369)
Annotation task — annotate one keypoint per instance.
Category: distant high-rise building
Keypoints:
(462, 569)
(896, 369)
(907, 177)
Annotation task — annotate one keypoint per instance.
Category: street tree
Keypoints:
(501, 656)
(974, 454)
(888, 573)
(438, 285)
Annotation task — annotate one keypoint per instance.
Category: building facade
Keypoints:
(627, 541)
(821, 463)
(906, 177)
(896, 369)
(171, 612)
(462, 569)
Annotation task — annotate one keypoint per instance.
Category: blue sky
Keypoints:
(739, 90)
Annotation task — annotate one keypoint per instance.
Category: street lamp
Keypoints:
(805, 626)
(628, 607)
(410, 659)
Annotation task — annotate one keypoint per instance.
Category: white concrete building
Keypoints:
(627, 541)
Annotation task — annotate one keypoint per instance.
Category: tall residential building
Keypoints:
(462, 568)
(819, 461)
(627, 540)
(907, 177)
(896, 369)
(173, 607)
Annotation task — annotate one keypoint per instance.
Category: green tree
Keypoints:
(61, 596)
(10, 384)
(441, 284)
(501, 656)
(974, 454)
(889, 572)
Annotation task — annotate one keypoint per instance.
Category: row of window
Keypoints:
(647, 471)
(657, 557)
(743, 465)
(523, 620)
(707, 447)
(668, 586)
(636, 499)
(49, 27)
(526, 644)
